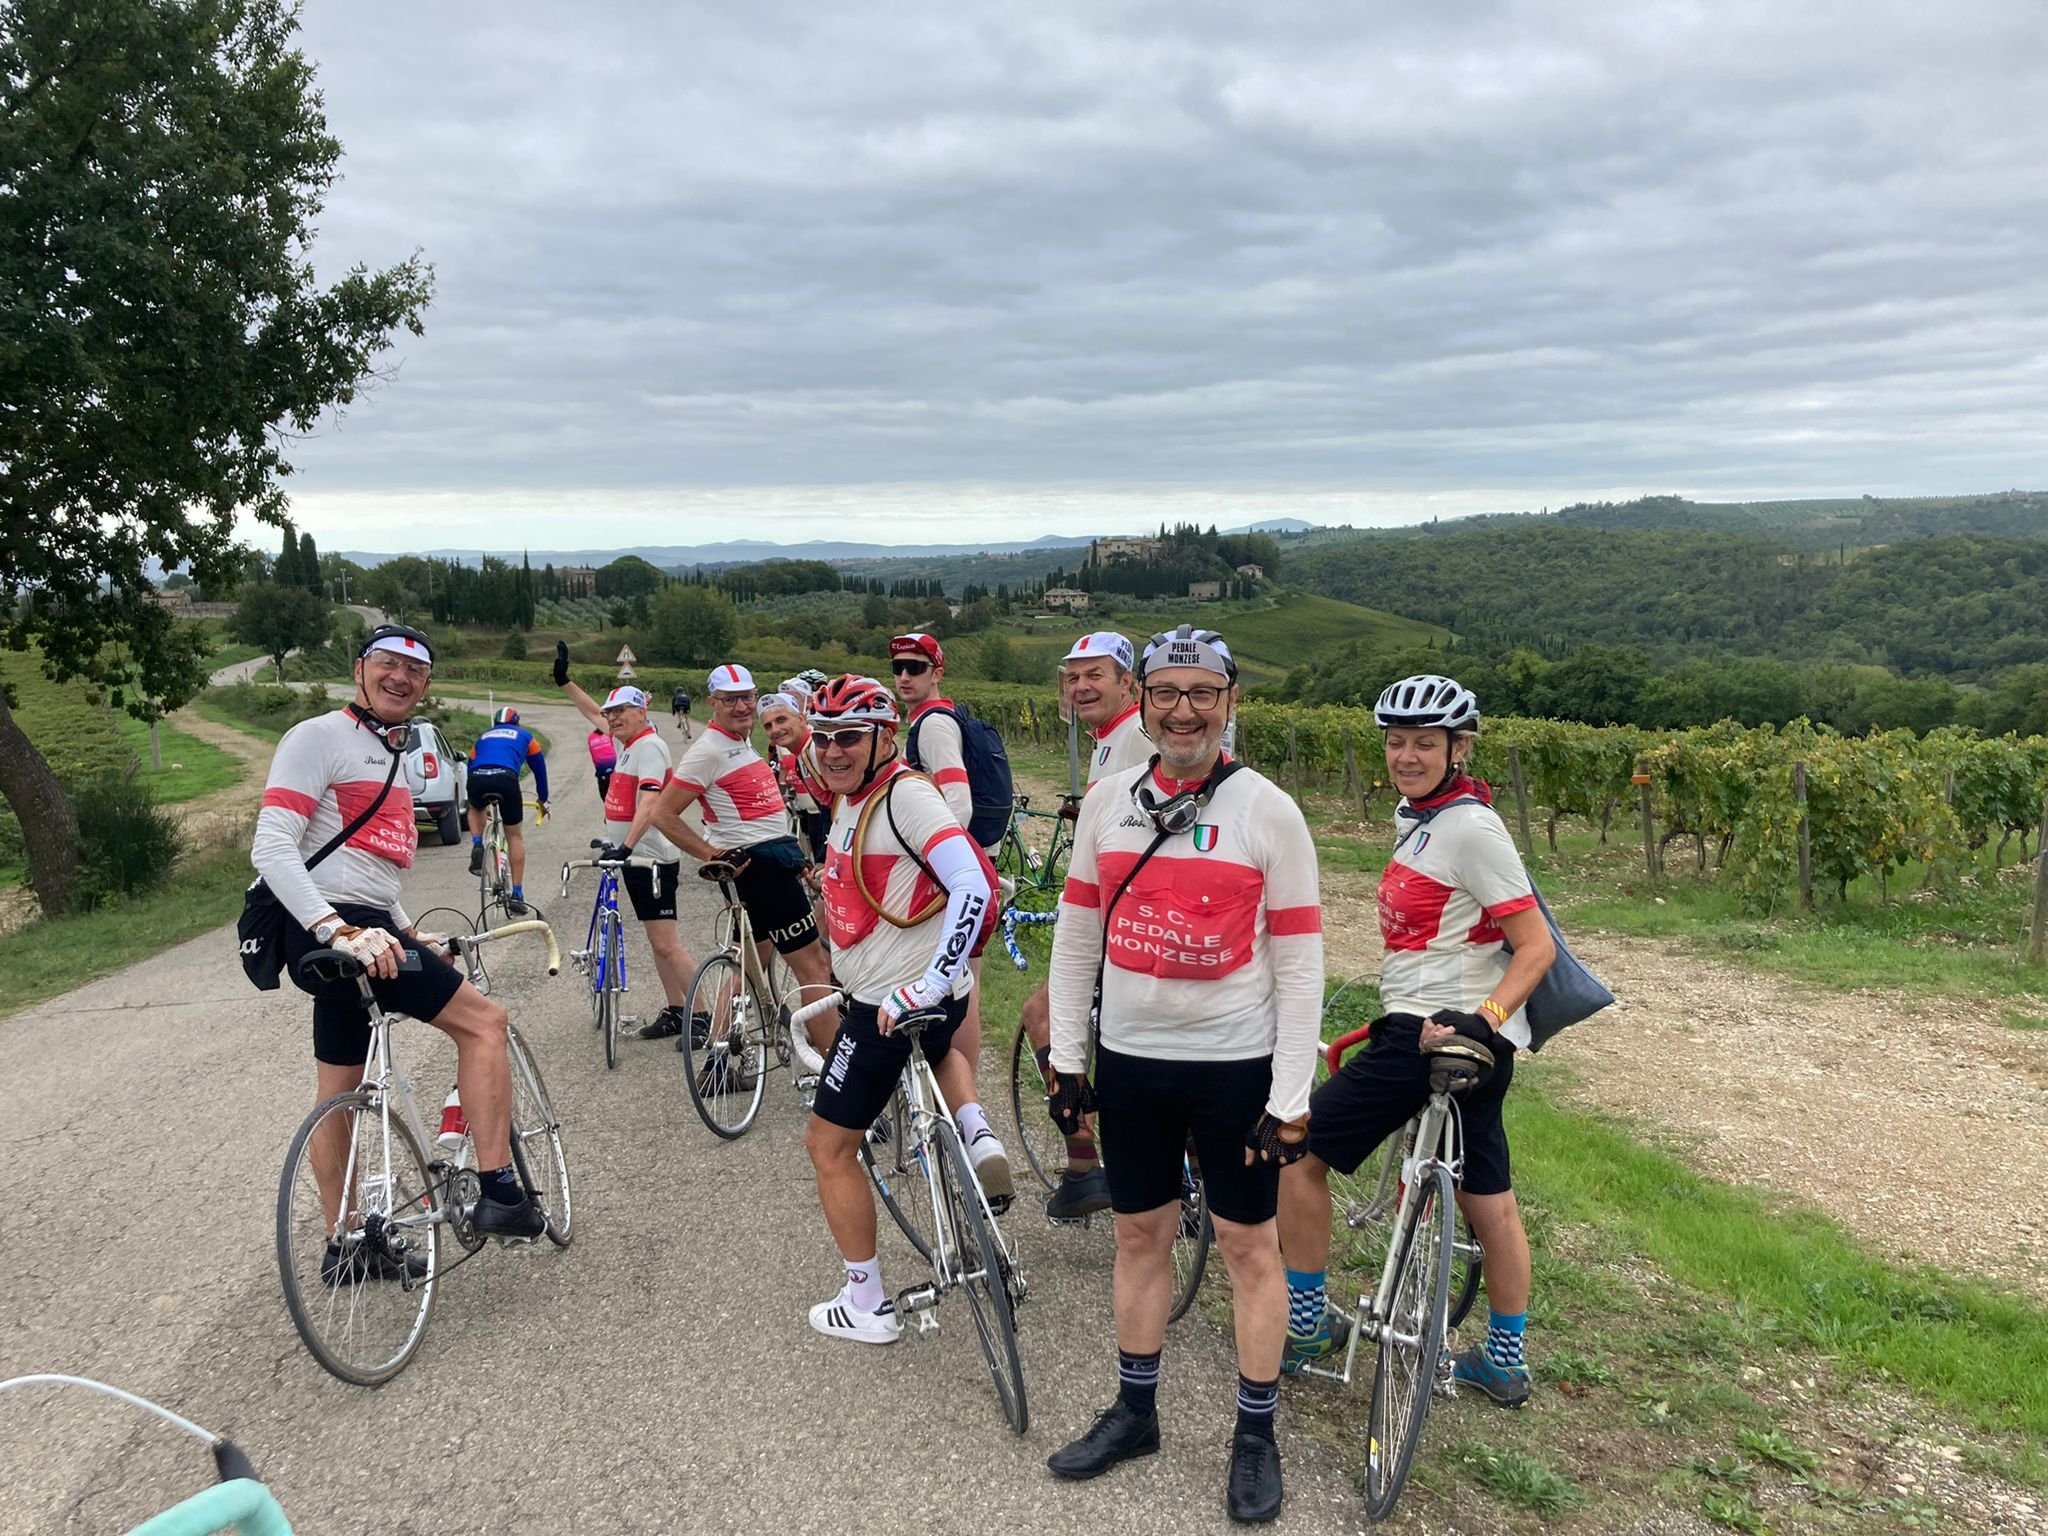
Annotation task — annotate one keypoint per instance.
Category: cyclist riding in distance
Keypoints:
(1191, 915)
(643, 766)
(908, 897)
(1097, 678)
(1466, 944)
(782, 717)
(500, 755)
(679, 702)
(327, 772)
(746, 825)
(934, 748)
(604, 757)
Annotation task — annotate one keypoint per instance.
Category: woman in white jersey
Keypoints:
(1453, 901)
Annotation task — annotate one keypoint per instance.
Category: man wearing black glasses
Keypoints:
(333, 774)
(1191, 913)
(934, 746)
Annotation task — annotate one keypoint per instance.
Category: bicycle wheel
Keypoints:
(983, 1272)
(1411, 1337)
(725, 1073)
(537, 1142)
(1467, 1257)
(897, 1171)
(608, 1000)
(1191, 1242)
(1362, 1206)
(1044, 1148)
(360, 1305)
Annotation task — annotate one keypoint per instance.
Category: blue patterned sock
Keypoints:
(476, 839)
(1308, 1293)
(1504, 1339)
(1137, 1379)
(1256, 1401)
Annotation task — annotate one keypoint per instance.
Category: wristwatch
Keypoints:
(327, 928)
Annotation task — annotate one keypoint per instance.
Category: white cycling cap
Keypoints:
(780, 701)
(1104, 642)
(1190, 647)
(729, 678)
(621, 698)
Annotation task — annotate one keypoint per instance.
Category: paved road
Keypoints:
(246, 671)
(659, 1375)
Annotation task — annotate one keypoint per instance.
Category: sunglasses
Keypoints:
(845, 741)
(909, 667)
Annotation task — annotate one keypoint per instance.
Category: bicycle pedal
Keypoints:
(1082, 1222)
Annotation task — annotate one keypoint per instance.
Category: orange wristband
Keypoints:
(1494, 1011)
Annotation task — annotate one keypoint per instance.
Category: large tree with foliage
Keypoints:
(688, 626)
(161, 333)
(281, 618)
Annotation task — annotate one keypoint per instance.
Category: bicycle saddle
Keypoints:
(719, 870)
(338, 965)
(915, 1024)
(1459, 1064)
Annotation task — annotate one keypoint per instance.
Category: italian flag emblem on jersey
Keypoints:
(1205, 837)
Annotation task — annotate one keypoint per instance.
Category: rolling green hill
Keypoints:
(1269, 636)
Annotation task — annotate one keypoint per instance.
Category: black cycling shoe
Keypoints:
(476, 858)
(1254, 1492)
(516, 905)
(665, 1023)
(501, 1220)
(353, 1264)
(1119, 1433)
(700, 1030)
(1078, 1195)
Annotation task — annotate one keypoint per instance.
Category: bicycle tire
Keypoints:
(1191, 1242)
(1362, 1207)
(537, 1150)
(399, 1311)
(897, 1172)
(1411, 1338)
(1045, 1150)
(1467, 1261)
(607, 997)
(985, 1274)
(728, 1097)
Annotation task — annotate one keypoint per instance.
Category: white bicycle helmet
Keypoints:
(1428, 700)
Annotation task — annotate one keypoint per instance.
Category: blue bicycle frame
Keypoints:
(594, 945)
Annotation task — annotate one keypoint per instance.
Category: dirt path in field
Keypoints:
(1885, 1111)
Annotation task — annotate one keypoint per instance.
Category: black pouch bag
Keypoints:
(259, 931)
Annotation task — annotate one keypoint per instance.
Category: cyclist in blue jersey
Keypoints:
(501, 754)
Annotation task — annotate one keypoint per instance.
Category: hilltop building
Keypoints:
(1071, 599)
(1101, 551)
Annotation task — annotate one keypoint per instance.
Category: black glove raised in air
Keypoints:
(561, 663)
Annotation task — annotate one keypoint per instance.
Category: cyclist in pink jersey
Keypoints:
(604, 757)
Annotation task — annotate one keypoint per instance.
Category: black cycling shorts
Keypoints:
(773, 893)
(341, 1022)
(1385, 1085)
(863, 1065)
(501, 785)
(1152, 1109)
(653, 890)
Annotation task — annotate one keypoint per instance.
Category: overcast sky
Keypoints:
(963, 270)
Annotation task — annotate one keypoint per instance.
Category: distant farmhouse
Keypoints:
(1205, 591)
(1102, 551)
(576, 580)
(1071, 599)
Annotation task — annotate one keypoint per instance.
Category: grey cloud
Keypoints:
(1320, 246)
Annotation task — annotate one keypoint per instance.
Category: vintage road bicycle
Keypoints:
(602, 959)
(360, 1284)
(494, 880)
(920, 1168)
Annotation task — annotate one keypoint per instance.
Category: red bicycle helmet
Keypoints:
(853, 700)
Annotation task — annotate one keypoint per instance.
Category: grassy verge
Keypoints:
(191, 767)
(47, 959)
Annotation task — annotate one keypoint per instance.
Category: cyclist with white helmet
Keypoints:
(500, 755)
(908, 901)
(1466, 944)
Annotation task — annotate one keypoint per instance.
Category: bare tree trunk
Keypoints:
(49, 823)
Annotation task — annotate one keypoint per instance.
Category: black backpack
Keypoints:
(989, 785)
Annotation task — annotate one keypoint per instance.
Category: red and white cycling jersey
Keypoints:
(735, 788)
(1442, 895)
(1119, 745)
(801, 774)
(941, 757)
(1215, 948)
(326, 773)
(642, 769)
(871, 956)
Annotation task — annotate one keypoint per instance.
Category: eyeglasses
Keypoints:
(391, 661)
(846, 740)
(1164, 696)
(734, 698)
(913, 668)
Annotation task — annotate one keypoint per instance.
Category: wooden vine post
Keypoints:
(1354, 784)
(1805, 837)
(1641, 779)
(1293, 763)
(1521, 798)
(2037, 946)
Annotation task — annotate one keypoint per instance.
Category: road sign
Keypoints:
(626, 656)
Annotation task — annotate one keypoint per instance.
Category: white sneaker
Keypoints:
(992, 1167)
(839, 1318)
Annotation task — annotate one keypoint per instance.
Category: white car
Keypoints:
(439, 777)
